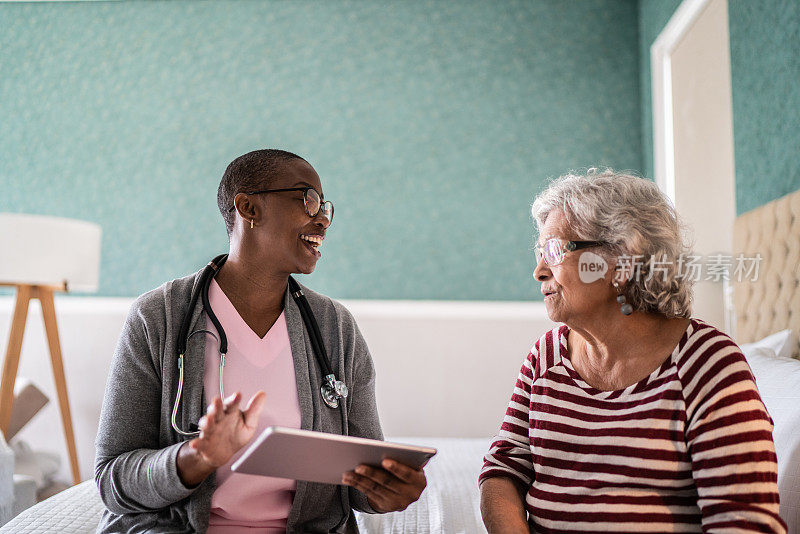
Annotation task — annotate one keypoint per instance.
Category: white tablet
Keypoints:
(320, 457)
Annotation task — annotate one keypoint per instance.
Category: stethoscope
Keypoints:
(332, 390)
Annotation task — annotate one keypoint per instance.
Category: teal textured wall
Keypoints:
(432, 125)
(765, 79)
(765, 86)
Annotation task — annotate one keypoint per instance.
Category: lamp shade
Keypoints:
(43, 250)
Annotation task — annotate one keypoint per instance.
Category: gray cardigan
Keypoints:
(135, 466)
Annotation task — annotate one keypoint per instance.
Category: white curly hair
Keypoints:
(637, 222)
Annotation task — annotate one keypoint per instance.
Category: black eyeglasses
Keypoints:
(313, 203)
(554, 250)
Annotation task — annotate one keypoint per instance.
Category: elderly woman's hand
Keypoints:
(390, 489)
(225, 428)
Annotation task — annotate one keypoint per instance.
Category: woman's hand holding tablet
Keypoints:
(389, 488)
(390, 474)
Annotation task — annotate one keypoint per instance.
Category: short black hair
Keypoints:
(250, 172)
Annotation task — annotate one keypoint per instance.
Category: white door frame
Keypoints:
(661, 69)
(661, 52)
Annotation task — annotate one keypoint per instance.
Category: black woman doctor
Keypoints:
(150, 474)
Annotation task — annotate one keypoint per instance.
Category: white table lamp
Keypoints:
(38, 256)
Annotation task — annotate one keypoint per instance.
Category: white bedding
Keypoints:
(449, 504)
(73, 511)
(451, 501)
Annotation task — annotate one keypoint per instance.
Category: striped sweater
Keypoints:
(687, 449)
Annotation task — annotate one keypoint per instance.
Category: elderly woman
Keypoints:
(151, 477)
(631, 416)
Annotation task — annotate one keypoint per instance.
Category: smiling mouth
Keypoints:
(313, 242)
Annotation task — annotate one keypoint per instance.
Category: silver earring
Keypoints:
(624, 307)
(251, 224)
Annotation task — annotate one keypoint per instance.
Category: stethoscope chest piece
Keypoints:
(333, 390)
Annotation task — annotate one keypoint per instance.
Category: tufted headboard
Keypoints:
(771, 302)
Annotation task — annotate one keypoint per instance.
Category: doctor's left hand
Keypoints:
(390, 489)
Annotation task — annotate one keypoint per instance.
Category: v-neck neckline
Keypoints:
(233, 322)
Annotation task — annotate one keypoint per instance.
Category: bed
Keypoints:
(449, 503)
(765, 306)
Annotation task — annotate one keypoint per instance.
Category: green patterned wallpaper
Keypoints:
(765, 75)
(765, 84)
(432, 124)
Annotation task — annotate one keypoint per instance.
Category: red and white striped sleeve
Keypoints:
(729, 435)
(510, 452)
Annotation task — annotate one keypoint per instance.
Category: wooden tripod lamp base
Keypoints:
(11, 363)
(40, 255)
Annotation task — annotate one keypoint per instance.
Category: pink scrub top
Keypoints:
(250, 503)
